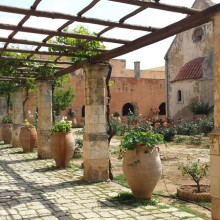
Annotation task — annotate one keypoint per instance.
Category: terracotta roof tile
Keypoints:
(191, 70)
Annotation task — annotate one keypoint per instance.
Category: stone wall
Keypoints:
(182, 50)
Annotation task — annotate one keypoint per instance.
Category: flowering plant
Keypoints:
(165, 127)
(195, 170)
(155, 111)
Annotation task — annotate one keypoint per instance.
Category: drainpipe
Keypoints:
(167, 86)
(137, 71)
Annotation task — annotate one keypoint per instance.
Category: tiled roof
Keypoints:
(191, 70)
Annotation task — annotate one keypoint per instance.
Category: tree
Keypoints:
(89, 47)
(62, 98)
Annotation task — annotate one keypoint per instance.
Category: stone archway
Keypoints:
(127, 109)
(162, 109)
(83, 112)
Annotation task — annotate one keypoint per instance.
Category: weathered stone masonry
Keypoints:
(95, 143)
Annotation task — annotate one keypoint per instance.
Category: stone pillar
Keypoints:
(215, 137)
(95, 139)
(44, 99)
(17, 116)
(3, 110)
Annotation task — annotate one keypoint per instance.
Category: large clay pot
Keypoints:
(6, 133)
(28, 138)
(142, 169)
(62, 148)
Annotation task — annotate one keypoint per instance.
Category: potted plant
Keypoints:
(28, 137)
(196, 171)
(61, 143)
(141, 161)
(6, 130)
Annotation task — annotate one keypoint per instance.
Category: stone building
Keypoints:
(189, 68)
(132, 90)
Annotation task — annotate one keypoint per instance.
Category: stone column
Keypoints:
(215, 145)
(3, 110)
(17, 116)
(95, 142)
(44, 99)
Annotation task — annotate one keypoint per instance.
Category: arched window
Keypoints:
(162, 109)
(198, 35)
(179, 96)
(83, 112)
(127, 109)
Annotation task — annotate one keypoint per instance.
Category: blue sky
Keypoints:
(150, 56)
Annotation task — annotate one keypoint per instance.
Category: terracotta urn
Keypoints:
(28, 138)
(142, 169)
(62, 148)
(6, 133)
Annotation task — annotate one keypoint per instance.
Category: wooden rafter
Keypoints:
(38, 60)
(23, 20)
(159, 6)
(56, 15)
(178, 27)
(61, 34)
(50, 45)
(63, 65)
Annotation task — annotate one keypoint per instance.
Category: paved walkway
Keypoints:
(34, 189)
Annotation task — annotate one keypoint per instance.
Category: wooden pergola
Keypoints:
(94, 137)
(151, 35)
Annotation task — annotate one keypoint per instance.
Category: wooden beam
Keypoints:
(176, 28)
(87, 8)
(37, 60)
(23, 20)
(140, 9)
(43, 44)
(61, 34)
(160, 6)
(57, 15)
(14, 50)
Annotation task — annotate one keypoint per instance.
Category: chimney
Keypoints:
(137, 71)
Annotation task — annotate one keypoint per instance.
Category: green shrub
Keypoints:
(116, 114)
(7, 119)
(79, 143)
(206, 125)
(118, 128)
(61, 126)
(167, 131)
(186, 128)
(146, 138)
(200, 108)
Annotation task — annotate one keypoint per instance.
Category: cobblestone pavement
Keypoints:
(34, 189)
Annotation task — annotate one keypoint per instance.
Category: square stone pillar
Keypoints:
(95, 139)
(3, 110)
(17, 116)
(44, 99)
(215, 137)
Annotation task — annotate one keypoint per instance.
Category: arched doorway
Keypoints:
(83, 112)
(162, 109)
(127, 109)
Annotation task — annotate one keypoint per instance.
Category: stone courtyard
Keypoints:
(35, 189)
